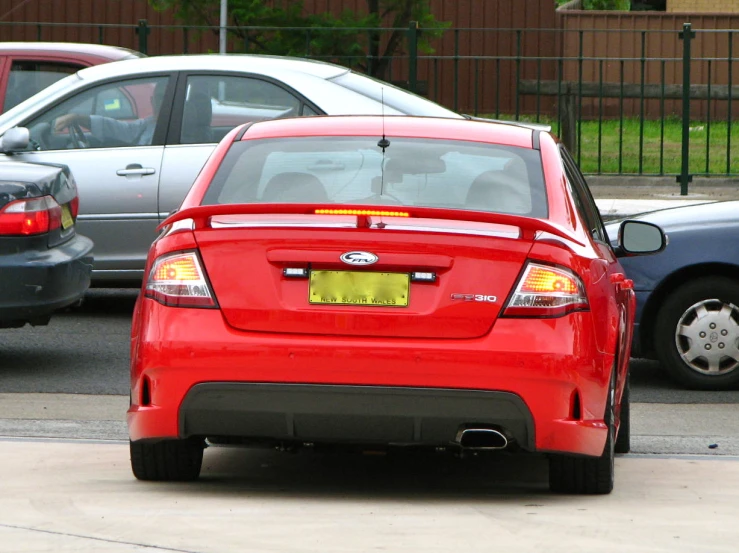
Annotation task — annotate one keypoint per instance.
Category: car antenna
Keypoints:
(383, 142)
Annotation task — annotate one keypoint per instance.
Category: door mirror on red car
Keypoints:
(15, 140)
(640, 238)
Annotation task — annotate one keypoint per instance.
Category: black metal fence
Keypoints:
(622, 111)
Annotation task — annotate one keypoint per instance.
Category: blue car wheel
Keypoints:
(697, 334)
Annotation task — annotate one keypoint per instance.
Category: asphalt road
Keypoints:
(85, 351)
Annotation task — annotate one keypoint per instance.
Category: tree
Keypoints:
(614, 5)
(367, 41)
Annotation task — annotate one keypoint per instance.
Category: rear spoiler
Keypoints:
(364, 213)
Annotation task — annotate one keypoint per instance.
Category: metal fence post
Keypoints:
(643, 77)
(143, 31)
(686, 35)
(728, 107)
(456, 70)
(577, 152)
(370, 59)
(518, 74)
(413, 56)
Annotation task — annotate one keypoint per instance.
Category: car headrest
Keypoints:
(294, 187)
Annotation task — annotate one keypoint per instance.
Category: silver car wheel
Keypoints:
(707, 337)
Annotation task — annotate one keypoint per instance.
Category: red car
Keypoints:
(28, 67)
(379, 282)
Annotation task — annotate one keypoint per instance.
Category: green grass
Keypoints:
(612, 147)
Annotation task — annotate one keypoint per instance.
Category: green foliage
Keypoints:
(612, 5)
(618, 5)
(614, 147)
(366, 40)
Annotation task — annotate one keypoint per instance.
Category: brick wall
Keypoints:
(703, 6)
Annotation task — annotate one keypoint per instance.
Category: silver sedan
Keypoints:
(136, 133)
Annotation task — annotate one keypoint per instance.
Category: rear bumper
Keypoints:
(532, 378)
(36, 283)
(350, 414)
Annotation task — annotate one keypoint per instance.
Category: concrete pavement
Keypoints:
(61, 494)
(81, 497)
(614, 208)
(624, 196)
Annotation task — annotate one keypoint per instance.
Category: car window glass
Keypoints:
(216, 104)
(397, 98)
(430, 173)
(583, 199)
(26, 78)
(308, 111)
(117, 114)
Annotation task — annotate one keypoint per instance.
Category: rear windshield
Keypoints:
(448, 174)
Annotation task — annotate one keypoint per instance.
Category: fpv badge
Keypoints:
(359, 258)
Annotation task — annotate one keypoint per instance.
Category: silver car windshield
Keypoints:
(397, 98)
(450, 174)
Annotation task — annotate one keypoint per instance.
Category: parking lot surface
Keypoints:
(67, 495)
(68, 487)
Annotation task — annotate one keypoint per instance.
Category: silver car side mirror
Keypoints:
(15, 140)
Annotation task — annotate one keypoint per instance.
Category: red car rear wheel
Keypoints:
(587, 475)
(623, 440)
(169, 460)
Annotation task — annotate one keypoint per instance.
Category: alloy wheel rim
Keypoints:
(707, 337)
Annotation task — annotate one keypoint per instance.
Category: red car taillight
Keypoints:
(545, 291)
(178, 280)
(30, 216)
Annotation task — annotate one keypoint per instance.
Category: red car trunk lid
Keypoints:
(246, 261)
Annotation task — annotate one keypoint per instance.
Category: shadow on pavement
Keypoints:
(108, 300)
(397, 475)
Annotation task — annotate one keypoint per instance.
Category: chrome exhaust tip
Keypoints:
(481, 438)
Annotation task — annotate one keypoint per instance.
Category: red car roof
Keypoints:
(90, 53)
(412, 127)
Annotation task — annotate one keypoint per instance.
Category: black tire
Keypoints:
(707, 311)
(167, 460)
(623, 440)
(587, 475)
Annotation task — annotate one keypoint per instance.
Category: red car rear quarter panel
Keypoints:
(4, 65)
(202, 181)
(560, 209)
(592, 269)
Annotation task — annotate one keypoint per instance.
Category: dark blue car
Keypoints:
(44, 264)
(688, 295)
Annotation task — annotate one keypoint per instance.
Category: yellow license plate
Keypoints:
(67, 220)
(359, 288)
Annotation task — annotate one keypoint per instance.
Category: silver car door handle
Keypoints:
(135, 169)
